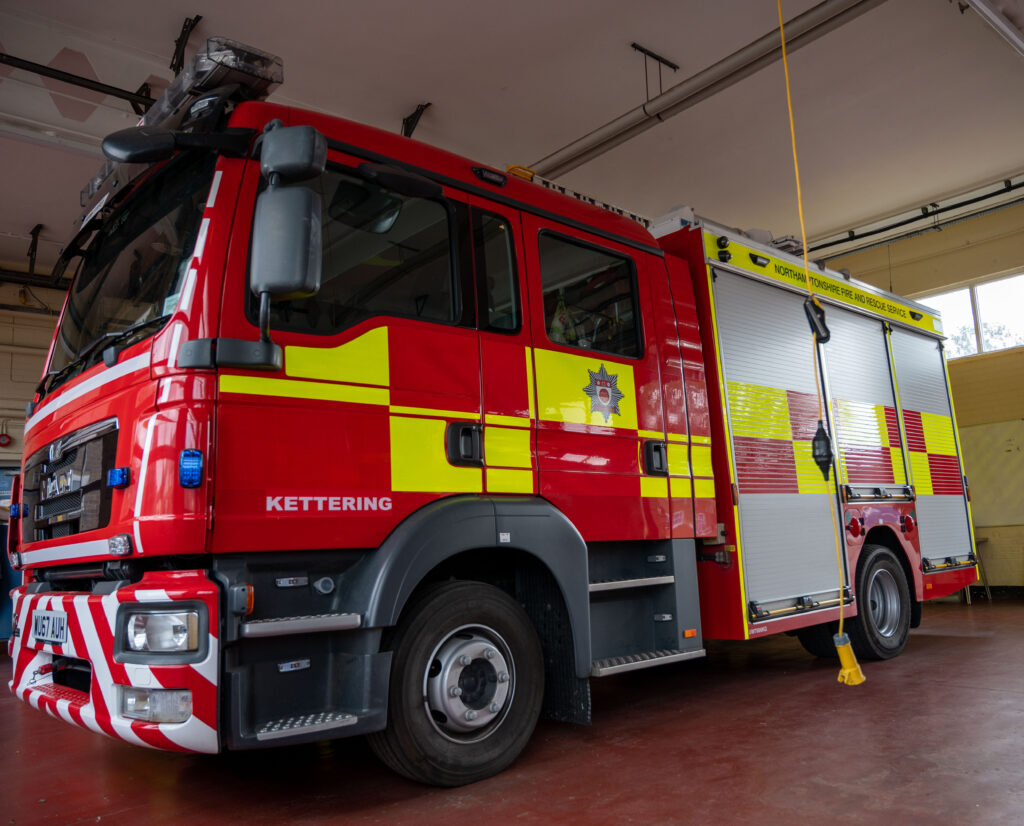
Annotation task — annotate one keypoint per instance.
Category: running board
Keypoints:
(305, 724)
(301, 625)
(632, 662)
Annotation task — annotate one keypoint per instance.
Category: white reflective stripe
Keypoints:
(211, 199)
(141, 676)
(142, 485)
(185, 302)
(105, 680)
(208, 667)
(204, 227)
(95, 547)
(193, 735)
(150, 595)
(63, 706)
(128, 367)
(172, 357)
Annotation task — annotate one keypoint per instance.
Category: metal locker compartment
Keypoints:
(787, 542)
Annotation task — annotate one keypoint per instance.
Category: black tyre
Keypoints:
(817, 640)
(880, 629)
(467, 681)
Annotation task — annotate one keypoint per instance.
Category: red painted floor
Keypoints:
(757, 733)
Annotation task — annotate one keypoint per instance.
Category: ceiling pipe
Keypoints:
(800, 31)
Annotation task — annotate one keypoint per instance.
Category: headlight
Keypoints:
(157, 705)
(163, 631)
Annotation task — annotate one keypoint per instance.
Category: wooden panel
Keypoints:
(988, 388)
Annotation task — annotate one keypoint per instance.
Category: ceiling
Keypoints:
(911, 102)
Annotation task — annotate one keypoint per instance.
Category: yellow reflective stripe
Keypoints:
(899, 475)
(290, 389)
(921, 473)
(654, 487)
(650, 434)
(700, 459)
(561, 378)
(419, 462)
(500, 480)
(759, 412)
(700, 440)
(681, 488)
(703, 488)
(506, 421)
(938, 434)
(808, 474)
(363, 360)
(430, 411)
(681, 438)
(507, 447)
(529, 383)
(678, 460)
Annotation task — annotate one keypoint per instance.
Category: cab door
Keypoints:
(600, 426)
(380, 367)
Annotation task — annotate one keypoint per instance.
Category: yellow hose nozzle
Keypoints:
(849, 671)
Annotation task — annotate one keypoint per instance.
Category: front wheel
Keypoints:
(880, 629)
(467, 681)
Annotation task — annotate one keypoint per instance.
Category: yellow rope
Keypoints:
(810, 292)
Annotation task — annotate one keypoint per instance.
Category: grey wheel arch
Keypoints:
(379, 586)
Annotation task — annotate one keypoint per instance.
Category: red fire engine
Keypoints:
(343, 434)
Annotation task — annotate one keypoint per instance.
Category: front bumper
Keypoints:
(93, 699)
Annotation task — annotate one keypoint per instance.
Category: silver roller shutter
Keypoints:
(935, 469)
(787, 541)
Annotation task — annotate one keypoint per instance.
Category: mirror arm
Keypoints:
(265, 316)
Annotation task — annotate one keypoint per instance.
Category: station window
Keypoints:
(590, 297)
(983, 317)
(384, 253)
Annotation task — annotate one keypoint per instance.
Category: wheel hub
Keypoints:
(469, 683)
(884, 598)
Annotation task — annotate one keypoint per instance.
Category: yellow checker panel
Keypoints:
(507, 447)
(938, 434)
(363, 360)
(683, 488)
(563, 380)
(678, 460)
(288, 389)
(703, 488)
(861, 423)
(419, 462)
(899, 473)
(808, 474)
(500, 480)
(759, 412)
(921, 473)
(700, 456)
(654, 487)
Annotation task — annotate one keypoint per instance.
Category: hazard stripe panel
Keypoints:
(90, 628)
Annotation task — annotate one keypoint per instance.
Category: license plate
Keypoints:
(50, 626)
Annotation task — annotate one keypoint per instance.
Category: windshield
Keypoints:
(131, 271)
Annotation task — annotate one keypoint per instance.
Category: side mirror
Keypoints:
(292, 153)
(286, 245)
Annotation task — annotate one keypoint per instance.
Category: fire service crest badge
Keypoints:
(604, 393)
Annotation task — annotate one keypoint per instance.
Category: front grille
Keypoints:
(69, 495)
(63, 462)
(68, 503)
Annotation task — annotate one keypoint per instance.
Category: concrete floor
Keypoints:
(758, 733)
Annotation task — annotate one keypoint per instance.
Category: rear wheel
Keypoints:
(817, 640)
(467, 680)
(880, 629)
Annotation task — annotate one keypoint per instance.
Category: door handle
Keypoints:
(655, 458)
(465, 444)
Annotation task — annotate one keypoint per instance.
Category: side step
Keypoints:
(301, 625)
(305, 724)
(632, 662)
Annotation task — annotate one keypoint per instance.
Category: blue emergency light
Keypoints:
(190, 468)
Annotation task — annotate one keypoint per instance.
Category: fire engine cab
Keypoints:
(343, 434)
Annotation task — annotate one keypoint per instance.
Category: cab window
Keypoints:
(384, 253)
(590, 297)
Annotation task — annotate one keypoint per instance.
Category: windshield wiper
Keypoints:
(113, 336)
(127, 332)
